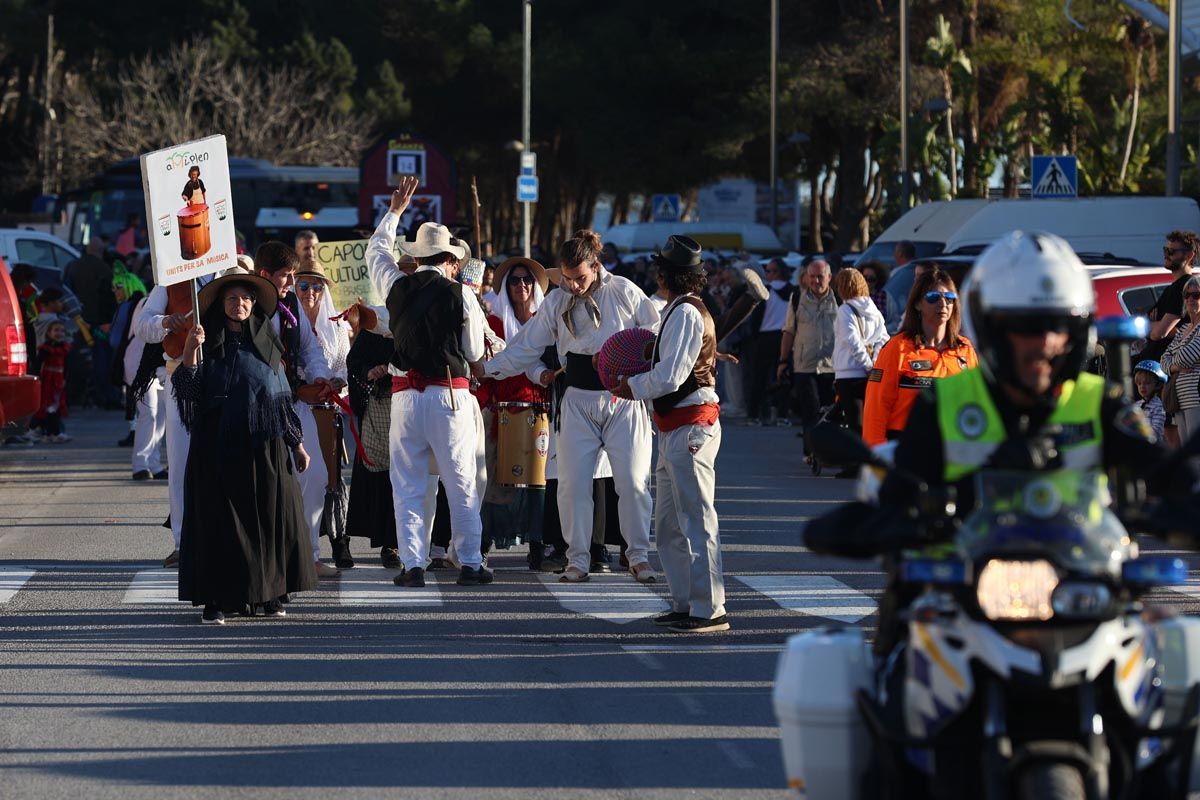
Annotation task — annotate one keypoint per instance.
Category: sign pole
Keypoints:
(525, 103)
(1173, 37)
(196, 313)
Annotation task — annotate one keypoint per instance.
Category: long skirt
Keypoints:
(244, 540)
(370, 512)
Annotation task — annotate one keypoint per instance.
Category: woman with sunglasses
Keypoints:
(312, 292)
(1182, 362)
(927, 347)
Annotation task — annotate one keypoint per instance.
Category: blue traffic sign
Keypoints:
(666, 207)
(1054, 176)
(527, 188)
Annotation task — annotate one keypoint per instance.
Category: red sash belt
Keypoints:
(703, 414)
(415, 380)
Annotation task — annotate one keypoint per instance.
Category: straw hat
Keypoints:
(267, 297)
(432, 239)
(538, 272)
(554, 276)
(314, 270)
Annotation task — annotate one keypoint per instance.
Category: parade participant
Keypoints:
(244, 545)
(52, 377)
(928, 347)
(312, 290)
(162, 322)
(128, 291)
(594, 306)
(149, 407)
(437, 333)
(522, 284)
(682, 385)
(308, 374)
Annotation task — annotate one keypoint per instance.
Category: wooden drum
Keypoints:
(194, 237)
(524, 444)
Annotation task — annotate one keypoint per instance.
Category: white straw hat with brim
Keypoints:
(266, 296)
(535, 269)
(432, 239)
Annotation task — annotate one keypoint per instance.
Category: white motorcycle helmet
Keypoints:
(1031, 283)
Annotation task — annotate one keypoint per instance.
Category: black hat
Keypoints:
(681, 254)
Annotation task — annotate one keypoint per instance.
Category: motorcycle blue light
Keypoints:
(1155, 571)
(934, 570)
(1122, 329)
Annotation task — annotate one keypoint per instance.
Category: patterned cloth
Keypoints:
(624, 353)
(1155, 414)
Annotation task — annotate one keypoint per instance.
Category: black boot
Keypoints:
(536, 553)
(341, 552)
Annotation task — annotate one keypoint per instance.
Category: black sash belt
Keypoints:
(581, 374)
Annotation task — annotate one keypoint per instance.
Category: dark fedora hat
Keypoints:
(680, 253)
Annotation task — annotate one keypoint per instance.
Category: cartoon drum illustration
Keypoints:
(194, 237)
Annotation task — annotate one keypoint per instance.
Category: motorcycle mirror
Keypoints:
(837, 445)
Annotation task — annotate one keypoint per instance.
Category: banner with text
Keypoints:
(345, 264)
(189, 210)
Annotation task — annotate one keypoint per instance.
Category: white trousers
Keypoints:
(149, 427)
(592, 421)
(425, 425)
(178, 441)
(685, 519)
(314, 480)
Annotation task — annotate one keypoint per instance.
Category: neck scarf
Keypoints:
(588, 301)
(503, 307)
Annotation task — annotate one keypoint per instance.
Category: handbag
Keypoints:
(1170, 395)
(377, 420)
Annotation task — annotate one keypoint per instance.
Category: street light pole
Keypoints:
(905, 172)
(774, 151)
(525, 105)
(1173, 37)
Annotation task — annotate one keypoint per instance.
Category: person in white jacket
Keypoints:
(858, 336)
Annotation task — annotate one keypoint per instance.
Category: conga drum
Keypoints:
(194, 238)
(523, 444)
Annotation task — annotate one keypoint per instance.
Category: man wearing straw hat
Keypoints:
(437, 332)
(682, 385)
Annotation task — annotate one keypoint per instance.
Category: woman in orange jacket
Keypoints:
(927, 347)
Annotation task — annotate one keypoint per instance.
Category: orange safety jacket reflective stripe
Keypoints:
(901, 371)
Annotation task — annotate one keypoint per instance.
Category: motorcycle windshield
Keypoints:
(1062, 516)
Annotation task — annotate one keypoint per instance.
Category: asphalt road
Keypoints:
(523, 689)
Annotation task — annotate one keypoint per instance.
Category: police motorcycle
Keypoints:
(1034, 665)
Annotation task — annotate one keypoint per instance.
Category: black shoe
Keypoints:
(212, 616)
(671, 617)
(600, 560)
(556, 561)
(142, 475)
(341, 553)
(412, 578)
(127, 441)
(390, 558)
(273, 608)
(473, 577)
(701, 625)
(161, 475)
(537, 555)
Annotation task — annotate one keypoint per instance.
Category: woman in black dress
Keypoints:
(245, 541)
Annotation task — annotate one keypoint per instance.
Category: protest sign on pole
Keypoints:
(189, 210)
(345, 265)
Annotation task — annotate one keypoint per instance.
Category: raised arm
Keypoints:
(381, 263)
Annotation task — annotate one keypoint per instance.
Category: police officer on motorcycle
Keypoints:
(1030, 406)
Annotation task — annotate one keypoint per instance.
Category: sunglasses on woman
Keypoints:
(933, 297)
(305, 286)
(525, 279)
(1191, 295)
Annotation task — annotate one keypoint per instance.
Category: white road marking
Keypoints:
(11, 581)
(612, 598)
(645, 649)
(373, 586)
(815, 595)
(153, 587)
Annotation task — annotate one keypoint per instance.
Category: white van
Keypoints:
(1133, 227)
(753, 238)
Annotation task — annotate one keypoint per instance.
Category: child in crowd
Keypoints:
(1149, 378)
(52, 375)
(52, 309)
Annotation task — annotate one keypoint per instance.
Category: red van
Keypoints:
(19, 393)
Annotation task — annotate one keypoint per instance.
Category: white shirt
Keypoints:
(775, 311)
(384, 272)
(312, 356)
(679, 345)
(622, 305)
(659, 302)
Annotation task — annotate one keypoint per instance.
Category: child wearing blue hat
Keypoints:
(1149, 378)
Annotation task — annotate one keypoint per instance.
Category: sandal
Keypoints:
(643, 572)
(573, 575)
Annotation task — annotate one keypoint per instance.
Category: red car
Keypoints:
(1131, 291)
(19, 393)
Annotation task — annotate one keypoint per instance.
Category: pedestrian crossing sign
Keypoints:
(1054, 176)
(666, 207)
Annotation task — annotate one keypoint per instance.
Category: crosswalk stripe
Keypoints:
(11, 581)
(373, 586)
(612, 598)
(153, 587)
(815, 595)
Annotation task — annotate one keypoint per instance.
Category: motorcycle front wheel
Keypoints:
(1049, 780)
